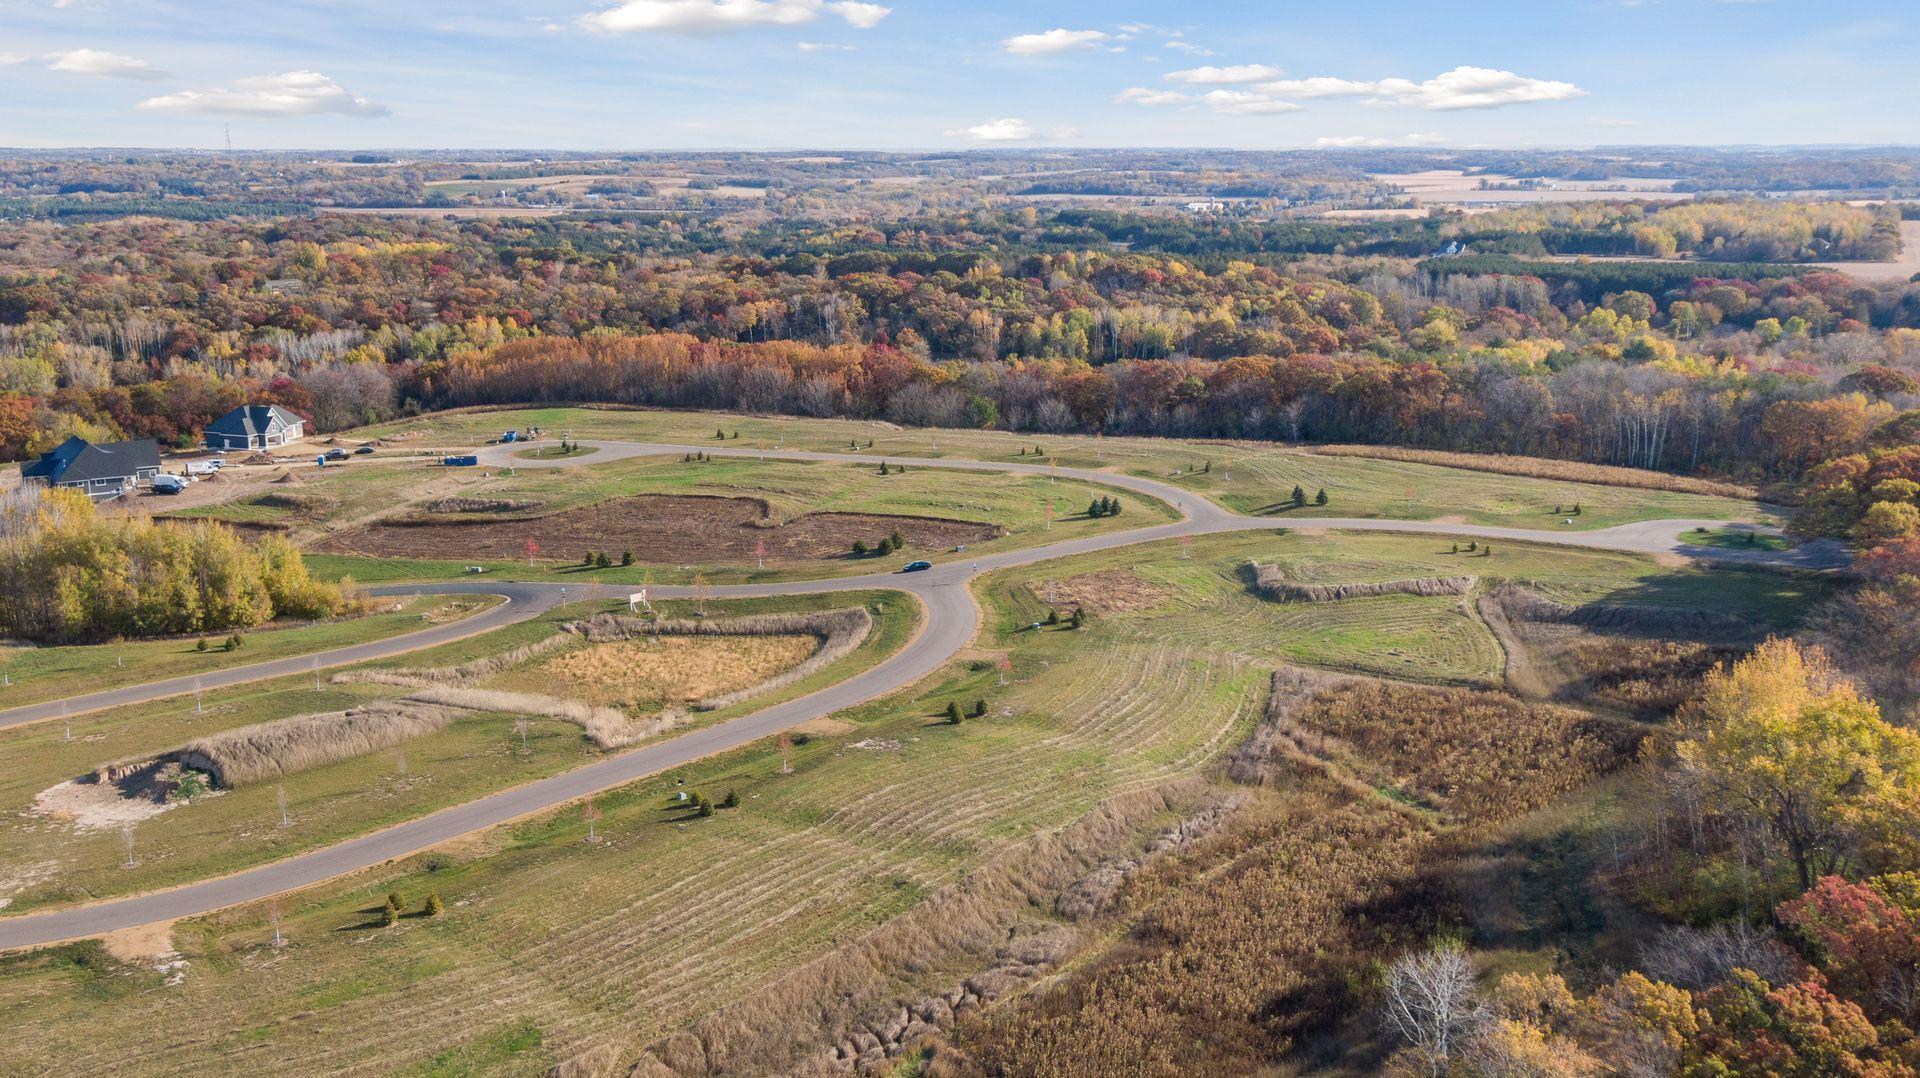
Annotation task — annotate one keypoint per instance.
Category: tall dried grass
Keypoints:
(604, 726)
(1570, 471)
(840, 631)
(1273, 583)
(1524, 603)
(273, 750)
(448, 675)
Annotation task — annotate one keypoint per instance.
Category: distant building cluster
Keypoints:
(112, 469)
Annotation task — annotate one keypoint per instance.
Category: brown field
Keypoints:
(659, 528)
(1106, 591)
(1244, 949)
(651, 673)
(1570, 471)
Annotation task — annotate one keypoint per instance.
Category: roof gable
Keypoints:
(77, 460)
(250, 420)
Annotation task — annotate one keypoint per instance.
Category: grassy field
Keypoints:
(45, 673)
(48, 862)
(551, 945)
(1734, 539)
(1247, 477)
(1018, 505)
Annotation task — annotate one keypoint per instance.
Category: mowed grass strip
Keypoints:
(54, 672)
(47, 862)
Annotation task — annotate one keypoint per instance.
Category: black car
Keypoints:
(916, 567)
(363, 451)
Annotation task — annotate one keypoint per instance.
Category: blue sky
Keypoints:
(635, 74)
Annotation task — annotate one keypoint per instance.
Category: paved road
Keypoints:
(950, 623)
(523, 602)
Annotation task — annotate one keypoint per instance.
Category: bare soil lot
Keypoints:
(658, 528)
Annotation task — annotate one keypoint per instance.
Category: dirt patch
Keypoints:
(142, 945)
(658, 528)
(1109, 591)
(824, 727)
(100, 803)
(1450, 518)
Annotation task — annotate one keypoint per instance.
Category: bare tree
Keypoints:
(1430, 1003)
(1701, 958)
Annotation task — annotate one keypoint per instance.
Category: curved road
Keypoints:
(950, 621)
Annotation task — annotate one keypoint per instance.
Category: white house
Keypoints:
(255, 426)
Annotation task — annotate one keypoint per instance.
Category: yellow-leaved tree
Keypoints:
(1784, 747)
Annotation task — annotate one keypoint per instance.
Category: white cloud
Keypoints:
(296, 93)
(1461, 88)
(1609, 121)
(1375, 141)
(1005, 129)
(1246, 103)
(8, 59)
(715, 16)
(861, 16)
(1141, 95)
(823, 46)
(1211, 75)
(106, 64)
(1189, 48)
(1317, 87)
(1053, 41)
(1475, 88)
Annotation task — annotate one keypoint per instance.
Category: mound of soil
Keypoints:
(670, 529)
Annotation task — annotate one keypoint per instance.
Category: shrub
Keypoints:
(1078, 619)
(1299, 497)
(189, 785)
(389, 916)
(234, 642)
(1053, 617)
(202, 645)
(1320, 498)
(704, 809)
(953, 712)
(732, 800)
(626, 557)
(899, 541)
(859, 548)
(394, 903)
(979, 708)
(433, 907)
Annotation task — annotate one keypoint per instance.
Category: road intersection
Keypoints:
(951, 619)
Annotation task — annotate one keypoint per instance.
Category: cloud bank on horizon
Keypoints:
(910, 74)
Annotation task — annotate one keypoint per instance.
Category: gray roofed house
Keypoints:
(255, 426)
(101, 471)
